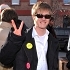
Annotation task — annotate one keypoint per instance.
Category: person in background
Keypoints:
(6, 6)
(39, 49)
(50, 27)
(5, 25)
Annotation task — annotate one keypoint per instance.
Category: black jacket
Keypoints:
(11, 55)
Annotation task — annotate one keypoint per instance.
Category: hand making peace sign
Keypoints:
(17, 31)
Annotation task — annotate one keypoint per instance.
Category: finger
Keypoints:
(21, 25)
(13, 24)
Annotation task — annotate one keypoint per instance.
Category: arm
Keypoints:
(12, 45)
(10, 48)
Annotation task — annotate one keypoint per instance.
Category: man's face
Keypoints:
(42, 18)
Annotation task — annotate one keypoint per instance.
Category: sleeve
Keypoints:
(10, 49)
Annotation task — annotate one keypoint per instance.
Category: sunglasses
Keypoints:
(45, 16)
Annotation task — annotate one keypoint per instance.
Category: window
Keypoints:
(15, 2)
(32, 2)
(66, 2)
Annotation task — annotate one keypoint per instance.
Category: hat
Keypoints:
(3, 6)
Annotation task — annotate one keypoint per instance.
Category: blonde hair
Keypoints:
(40, 5)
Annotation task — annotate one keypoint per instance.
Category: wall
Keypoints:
(28, 20)
(24, 10)
(60, 10)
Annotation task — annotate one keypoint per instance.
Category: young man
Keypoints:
(39, 49)
(5, 26)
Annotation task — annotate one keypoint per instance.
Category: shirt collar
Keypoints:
(34, 33)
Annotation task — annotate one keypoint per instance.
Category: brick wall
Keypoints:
(59, 10)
